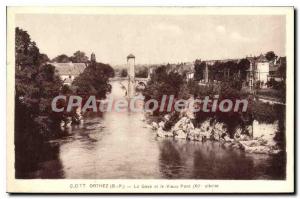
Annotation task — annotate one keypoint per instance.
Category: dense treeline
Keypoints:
(36, 84)
(220, 71)
(77, 57)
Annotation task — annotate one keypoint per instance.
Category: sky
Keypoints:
(156, 39)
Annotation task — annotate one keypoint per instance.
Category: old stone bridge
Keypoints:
(131, 83)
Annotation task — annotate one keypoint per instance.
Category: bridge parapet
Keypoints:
(136, 79)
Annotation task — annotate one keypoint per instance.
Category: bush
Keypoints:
(267, 113)
(163, 82)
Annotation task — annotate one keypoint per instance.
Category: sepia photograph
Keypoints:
(143, 100)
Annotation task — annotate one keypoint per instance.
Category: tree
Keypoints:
(198, 91)
(36, 81)
(94, 80)
(27, 53)
(79, 57)
(243, 66)
(199, 70)
(282, 70)
(62, 59)
(232, 70)
(270, 55)
(163, 83)
(36, 84)
(216, 71)
(142, 72)
(44, 58)
(124, 72)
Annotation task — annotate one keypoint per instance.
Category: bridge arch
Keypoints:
(140, 85)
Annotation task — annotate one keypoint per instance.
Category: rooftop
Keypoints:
(261, 58)
(130, 56)
(69, 68)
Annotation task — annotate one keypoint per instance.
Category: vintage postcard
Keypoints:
(150, 100)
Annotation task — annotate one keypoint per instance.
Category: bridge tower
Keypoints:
(131, 74)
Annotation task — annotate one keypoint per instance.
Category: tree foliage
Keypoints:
(162, 83)
(141, 72)
(243, 66)
(36, 81)
(199, 70)
(123, 73)
(281, 71)
(62, 59)
(94, 80)
(35, 86)
(79, 57)
(270, 55)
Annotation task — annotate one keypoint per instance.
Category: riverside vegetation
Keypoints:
(261, 129)
(36, 84)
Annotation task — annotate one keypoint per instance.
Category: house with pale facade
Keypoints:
(69, 71)
(258, 72)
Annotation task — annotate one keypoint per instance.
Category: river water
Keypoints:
(119, 146)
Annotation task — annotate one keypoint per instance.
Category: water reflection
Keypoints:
(46, 165)
(214, 160)
(171, 165)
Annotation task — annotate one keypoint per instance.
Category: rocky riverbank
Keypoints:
(257, 138)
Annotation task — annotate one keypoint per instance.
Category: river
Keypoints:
(120, 146)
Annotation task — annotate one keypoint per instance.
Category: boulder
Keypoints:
(154, 125)
(62, 123)
(180, 134)
(193, 134)
(237, 133)
(219, 131)
(184, 129)
(245, 137)
(206, 127)
(161, 133)
(190, 126)
(184, 124)
(161, 124)
(214, 136)
(227, 138)
(167, 117)
(250, 143)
